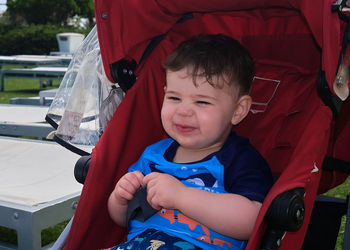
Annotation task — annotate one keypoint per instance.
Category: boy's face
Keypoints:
(197, 117)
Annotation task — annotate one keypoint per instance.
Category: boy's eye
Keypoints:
(203, 103)
(173, 98)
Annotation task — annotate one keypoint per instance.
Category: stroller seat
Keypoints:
(288, 123)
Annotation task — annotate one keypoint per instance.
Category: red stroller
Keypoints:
(294, 121)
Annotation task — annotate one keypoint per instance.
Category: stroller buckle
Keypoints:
(122, 73)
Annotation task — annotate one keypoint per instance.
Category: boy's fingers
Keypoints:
(135, 179)
(125, 194)
(149, 177)
(139, 176)
(127, 186)
(130, 182)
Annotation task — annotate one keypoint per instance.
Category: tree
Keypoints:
(48, 11)
(86, 9)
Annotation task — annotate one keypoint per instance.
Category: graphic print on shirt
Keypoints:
(201, 179)
(175, 216)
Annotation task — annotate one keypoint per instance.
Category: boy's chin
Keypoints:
(194, 146)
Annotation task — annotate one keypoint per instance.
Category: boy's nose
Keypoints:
(185, 111)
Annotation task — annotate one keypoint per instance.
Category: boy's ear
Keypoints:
(242, 109)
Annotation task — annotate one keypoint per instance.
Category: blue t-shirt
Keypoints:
(236, 168)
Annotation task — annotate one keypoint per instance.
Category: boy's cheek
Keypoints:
(165, 117)
(166, 111)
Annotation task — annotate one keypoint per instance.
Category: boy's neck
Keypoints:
(188, 155)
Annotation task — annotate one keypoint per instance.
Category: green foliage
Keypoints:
(86, 9)
(30, 26)
(48, 11)
(32, 39)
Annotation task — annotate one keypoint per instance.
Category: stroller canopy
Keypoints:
(125, 28)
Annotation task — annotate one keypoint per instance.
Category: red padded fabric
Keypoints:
(125, 27)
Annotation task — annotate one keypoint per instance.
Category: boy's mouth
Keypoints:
(184, 128)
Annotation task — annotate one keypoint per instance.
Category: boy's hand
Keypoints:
(123, 192)
(127, 186)
(163, 190)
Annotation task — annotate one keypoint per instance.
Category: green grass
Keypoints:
(8, 235)
(48, 235)
(21, 87)
(30, 88)
(14, 87)
(340, 191)
(51, 234)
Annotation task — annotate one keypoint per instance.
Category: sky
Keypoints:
(2, 5)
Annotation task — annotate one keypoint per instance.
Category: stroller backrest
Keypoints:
(287, 60)
(285, 40)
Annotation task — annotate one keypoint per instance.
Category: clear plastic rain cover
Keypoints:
(86, 100)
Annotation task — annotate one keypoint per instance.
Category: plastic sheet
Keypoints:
(86, 100)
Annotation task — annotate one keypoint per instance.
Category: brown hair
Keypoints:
(214, 56)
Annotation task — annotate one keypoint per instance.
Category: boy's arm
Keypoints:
(229, 214)
(123, 192)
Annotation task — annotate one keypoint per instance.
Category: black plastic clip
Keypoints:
(122, 73)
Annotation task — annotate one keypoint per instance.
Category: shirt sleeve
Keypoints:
(139, 165)
(143, 163)
(248, 174)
